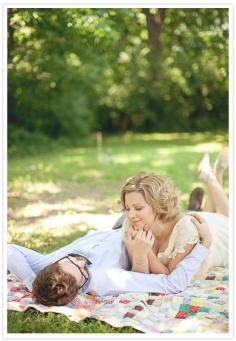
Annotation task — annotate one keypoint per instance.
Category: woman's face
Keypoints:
(139, 213)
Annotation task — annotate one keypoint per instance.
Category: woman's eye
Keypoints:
(138, 209)
(126, 209)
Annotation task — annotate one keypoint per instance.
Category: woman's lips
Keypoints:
(136, 223)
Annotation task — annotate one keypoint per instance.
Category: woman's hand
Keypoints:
(138, 245)
(203, 230)
(143, 242)
(129, 235)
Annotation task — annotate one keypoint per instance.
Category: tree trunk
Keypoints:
(10, 31)
(154, 26)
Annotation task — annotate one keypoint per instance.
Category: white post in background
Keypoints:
(99, 145)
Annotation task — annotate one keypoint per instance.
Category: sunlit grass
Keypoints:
(56, 197)
(43, 189)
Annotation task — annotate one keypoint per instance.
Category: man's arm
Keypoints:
(21, 263)
(115, 280)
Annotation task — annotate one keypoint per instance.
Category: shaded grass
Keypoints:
(68, 181)
(31, 321)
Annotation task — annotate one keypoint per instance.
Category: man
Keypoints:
(98, 263)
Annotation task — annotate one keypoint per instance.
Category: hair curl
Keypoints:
(53, 286)
(158, 191)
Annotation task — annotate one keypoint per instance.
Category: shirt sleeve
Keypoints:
(21, 262)
(115, 280)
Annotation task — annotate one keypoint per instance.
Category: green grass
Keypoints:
(49, 191)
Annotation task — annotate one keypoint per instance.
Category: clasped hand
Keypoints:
(138, 241)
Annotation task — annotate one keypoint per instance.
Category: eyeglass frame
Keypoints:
(78, 267)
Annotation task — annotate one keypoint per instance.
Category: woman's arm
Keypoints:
(141, 245)
(140, 263)
(204, 234)
(129, 235)
(155, 265)
(179, 256)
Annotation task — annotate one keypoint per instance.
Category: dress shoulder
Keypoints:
(184, 232)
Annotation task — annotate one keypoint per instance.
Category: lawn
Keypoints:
(56, 197)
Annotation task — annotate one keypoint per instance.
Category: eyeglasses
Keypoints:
(82, 271)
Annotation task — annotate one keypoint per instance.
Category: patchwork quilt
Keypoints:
(201, 308)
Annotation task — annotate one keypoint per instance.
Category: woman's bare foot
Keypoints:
(221, 163)
(204, 168)
(222, 160)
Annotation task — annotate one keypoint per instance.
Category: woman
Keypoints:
(162, 233)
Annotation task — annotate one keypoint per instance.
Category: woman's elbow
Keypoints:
(170, 268)
(167, 271)
(162, 272)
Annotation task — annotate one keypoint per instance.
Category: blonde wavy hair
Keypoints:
(158, 191)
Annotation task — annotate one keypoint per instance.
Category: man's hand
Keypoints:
(203, 230)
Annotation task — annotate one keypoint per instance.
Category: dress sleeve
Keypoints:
(185, 232)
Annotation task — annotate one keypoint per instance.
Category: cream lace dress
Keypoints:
(185, 232)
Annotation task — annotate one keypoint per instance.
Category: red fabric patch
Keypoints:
(220, 288)
(28, 295)
(193, 309)
(15, 289)
(181, 315)
(124, 301)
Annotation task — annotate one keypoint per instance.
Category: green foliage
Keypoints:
(74, 71)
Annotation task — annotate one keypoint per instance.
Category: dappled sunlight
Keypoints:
(159, 162)
(48, 187)
(41, 208)
(80, 193)
(96, 221)
(74, 159)
(62, 223)
(124, 158)
(39, 167)
(210, 147)
(20, 185)
(28, 209)
(93, 173)
(169, 137)
(46, 240)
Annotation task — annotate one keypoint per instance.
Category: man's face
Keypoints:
(76, 268)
